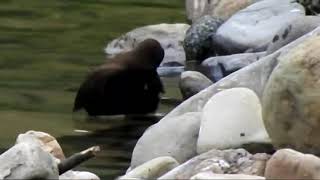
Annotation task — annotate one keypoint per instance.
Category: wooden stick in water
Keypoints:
(78, 158)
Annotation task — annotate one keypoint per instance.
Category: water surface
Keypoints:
(47, 48)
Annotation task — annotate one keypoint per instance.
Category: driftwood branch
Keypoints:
(77, 159)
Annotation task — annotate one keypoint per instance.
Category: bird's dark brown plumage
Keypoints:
(127, 84)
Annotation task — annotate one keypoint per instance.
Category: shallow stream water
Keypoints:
(116, 135)
(46, 50)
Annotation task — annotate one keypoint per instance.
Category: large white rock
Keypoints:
(176, 137)
(76, 175)
(254, 77)
(152, 169)
(230, 119)
(293, 31)
(27, 161)
(210, 175)
(254, 27)
(170, 37)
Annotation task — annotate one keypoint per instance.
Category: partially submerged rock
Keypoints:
(219, 67)
(197, 43)
(170, 37)
(192, 82)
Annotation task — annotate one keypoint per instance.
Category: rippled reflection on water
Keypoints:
(116, 135)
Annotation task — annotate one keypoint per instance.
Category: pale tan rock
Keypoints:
(222, 9)
(290, 164)
(291, 100)
(226, 8)
(152, 169)
(48, 143)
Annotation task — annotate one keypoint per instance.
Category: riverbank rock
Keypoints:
(222, 9)
(170, 37)
(76, 175)
(219, 67)
(192, 82)
(176, 137)
(260, 70)
(27, 161)
(253, 28)
(234, 161)
(293, 31)
(230, 119)
(152, 169)
(197, 43)
(47, 142)
(290, 164)
(211, 175)
(291, 99)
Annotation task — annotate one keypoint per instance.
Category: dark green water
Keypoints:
(47, 48)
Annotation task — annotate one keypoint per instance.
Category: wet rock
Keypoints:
(170, 37)
(152, 169)
(76, 175)
(290, 164)
(260, 70)
(291, 99)
(230, 119)
(219, 67)
(312, 6)
(27, 161)
(210, 175)
(197, 43)
(47, 142)
(221, 9)
(176, 137)
(170, 71)
(237, 161)
(293, 31)
(253, 28)
(192, 82)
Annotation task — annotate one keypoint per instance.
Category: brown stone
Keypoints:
(291, 100)
(290, 164)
